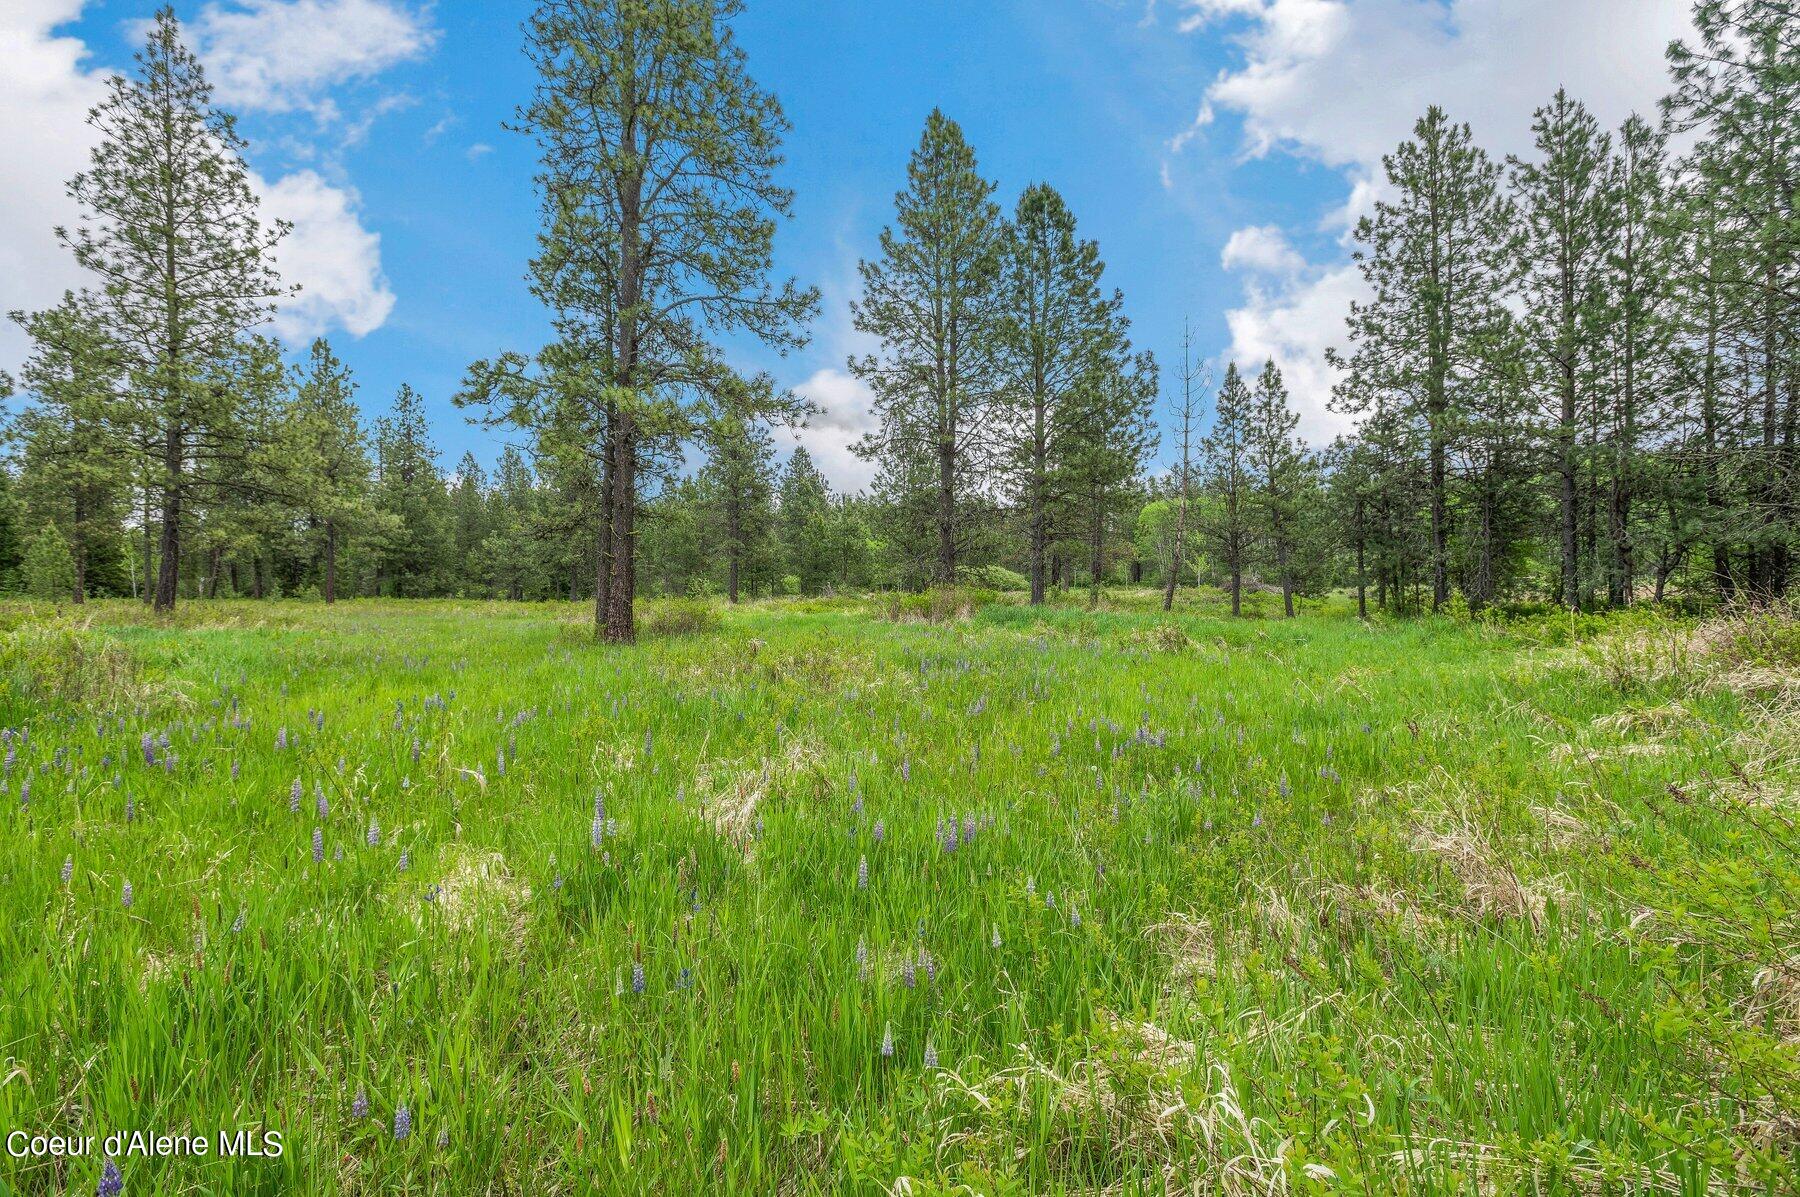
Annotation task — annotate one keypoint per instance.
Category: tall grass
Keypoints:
(1138, 903)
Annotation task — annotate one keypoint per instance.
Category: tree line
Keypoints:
(1574, 378)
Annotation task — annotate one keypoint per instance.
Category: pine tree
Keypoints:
(1186, 418)
(659, 154)
(934, 301)
(739, 480)
(49, 567)
(468, 522)
(170, 226)
(74, 452)
(1279, 466)
(1568, 217)
(333, 456)
(1738, 89)
(1059, 335)
(410, 498)
(1435, 257)
(1228, 519)
(1113, 437)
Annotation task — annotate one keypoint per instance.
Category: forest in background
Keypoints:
(1576, 377)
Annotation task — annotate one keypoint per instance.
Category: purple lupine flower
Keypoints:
(402, 1122)
(359, 1105)
(1075, 918)
(147, 743)
(237, 924)
(908, 976)
(68, 869)
(995, 941)
(25, 792)
(1256, 821)
(862, 873)
(337, 853)
(880, 832)
(906, 769)
(294, 797)
(862, 959)
(931, 1056)
(318, 845)
(374, 833)
(415, 750)
(320, 801)
(443, 1139)
(887, 1042)
(125, 896)
(597, 832)
(234, 768)
(405, 860)
(112, 1182)
(500, 763)
(637, 976)
(281, 738)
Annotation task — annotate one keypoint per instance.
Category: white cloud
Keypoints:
(46, 90)
(1261, 249)
(845, 413)
(1341, 82)
(478, 151)
(284, 55)
(330, 254)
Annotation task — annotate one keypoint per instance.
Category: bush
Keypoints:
(678, 617)
(940, 604)
(991, 577)
(49, 566)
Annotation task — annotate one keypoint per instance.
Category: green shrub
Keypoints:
(678, 617)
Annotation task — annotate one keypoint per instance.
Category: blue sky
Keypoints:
(1216, 150)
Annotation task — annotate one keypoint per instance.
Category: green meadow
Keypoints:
(932, 896)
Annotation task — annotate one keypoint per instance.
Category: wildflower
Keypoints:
(402, 1122)
(931, 1056)
(131, 810)
(995, 941)
(685, 979)
(1075, 919)
(405, 860)
(148, 744)
(112, 1183)
(125, 896)
(637, 976)
(597, 832)
(25, 792)
(862, 873)
(443, 1139)
(281, 738)
(909, 975)
(887, 1041)
(1256, 821)
(880, 832)
(68, 869)
(906, 769)
(337, 853)
(237, 924)
(374, 833)
(359, 1105)
(294, 797)
(415, 750)
(318, 845)
(323, 805)
(234, 768)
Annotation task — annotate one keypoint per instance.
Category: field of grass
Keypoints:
(820, 901)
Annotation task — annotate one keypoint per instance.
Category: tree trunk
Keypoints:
(946, 516)
(621, 626)
(1565, 471)
(331, 561)
(168, 575)
(734, 522)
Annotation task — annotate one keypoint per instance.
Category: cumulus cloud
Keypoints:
(1262, 249)
(845, 413)
(45, 92)
(286, 55)
(46, 89)
(334, 259)
(1341, 82)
